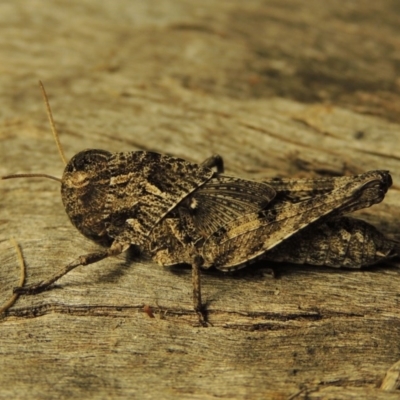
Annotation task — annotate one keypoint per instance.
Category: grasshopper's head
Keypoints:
(84, 187)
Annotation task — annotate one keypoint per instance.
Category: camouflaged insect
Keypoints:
(179, 212)
(225, 222)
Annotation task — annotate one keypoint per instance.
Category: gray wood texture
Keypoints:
(287, 88)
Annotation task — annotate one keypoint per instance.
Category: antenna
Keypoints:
(52, 124)
(31, 176)
(56, 138)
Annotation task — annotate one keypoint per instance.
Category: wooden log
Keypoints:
(289, 89)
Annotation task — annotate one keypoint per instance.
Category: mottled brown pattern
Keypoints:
(84, 190)
(339, 242)
(155, 183)
(295, 190)
(228, 247)
(300, 231)
(123, 196)
(224, 199)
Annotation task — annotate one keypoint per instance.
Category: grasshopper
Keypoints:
(274, 233)
(180, 212)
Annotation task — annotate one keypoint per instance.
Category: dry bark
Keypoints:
(287, 88)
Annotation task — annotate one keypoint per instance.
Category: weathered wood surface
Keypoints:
(287, 88)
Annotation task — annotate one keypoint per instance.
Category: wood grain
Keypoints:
(287, 88)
